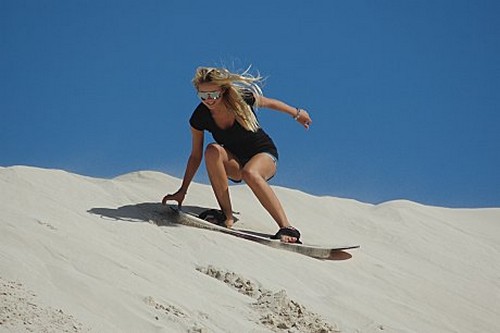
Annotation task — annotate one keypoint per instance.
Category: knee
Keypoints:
(213, 152)
(251, 176)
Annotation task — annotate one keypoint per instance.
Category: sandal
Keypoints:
(288, 231)
(214, 216)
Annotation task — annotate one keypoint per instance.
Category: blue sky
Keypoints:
(404, 95)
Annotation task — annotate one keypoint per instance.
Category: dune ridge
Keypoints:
(82, 254)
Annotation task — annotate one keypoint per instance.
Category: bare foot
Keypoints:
(229, 223)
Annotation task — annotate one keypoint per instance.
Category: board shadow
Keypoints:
(149, 212)
(339, 255)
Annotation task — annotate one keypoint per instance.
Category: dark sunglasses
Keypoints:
(203, 95)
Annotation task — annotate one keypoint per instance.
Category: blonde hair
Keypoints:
(235, 87)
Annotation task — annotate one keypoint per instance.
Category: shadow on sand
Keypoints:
(150, 212)
(339, 256)
(146, 212)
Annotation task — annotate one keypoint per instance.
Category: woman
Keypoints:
(243, 151)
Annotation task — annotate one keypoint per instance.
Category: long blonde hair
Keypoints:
(235, 87)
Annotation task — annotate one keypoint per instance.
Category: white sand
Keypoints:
(79, 254)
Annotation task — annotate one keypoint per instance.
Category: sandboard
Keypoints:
(319, 252)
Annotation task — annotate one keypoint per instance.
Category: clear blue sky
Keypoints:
(404, 95)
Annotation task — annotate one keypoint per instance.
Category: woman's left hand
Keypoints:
(304, 119)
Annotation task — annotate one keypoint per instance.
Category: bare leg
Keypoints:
(256, 173)
(221, 165)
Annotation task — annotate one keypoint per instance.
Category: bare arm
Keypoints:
(192, 166)
(300, 115)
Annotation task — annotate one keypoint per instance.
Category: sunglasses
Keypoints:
(203, 95)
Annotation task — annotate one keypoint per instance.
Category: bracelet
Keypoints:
(298, 114)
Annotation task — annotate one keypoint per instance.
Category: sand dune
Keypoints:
(80, 254)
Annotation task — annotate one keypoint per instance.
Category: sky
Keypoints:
(404, 95)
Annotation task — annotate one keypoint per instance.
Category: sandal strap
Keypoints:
(288, 231)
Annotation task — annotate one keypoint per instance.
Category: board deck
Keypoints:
(319, 252)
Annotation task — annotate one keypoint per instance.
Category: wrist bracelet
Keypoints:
(298, 114)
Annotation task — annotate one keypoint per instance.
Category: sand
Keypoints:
(81, 254)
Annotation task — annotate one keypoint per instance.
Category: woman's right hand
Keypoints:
(177, 196)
